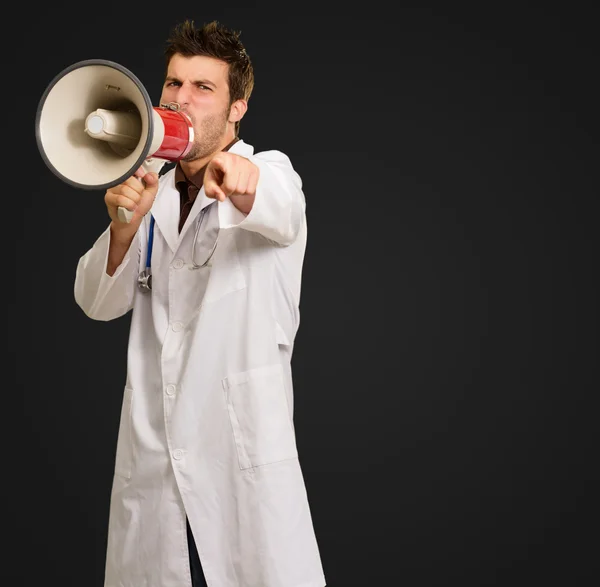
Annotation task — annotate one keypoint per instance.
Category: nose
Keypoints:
(182, 95)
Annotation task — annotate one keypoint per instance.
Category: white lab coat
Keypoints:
(206, 426)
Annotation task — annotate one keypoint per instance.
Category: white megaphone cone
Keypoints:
(95, 127)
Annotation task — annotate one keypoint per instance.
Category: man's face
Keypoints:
(199, 85)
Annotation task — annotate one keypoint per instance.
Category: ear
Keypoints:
(237, 110)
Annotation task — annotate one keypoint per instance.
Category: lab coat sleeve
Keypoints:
(99, 295)
(279, 204)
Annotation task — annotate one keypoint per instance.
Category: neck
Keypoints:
(190, 168)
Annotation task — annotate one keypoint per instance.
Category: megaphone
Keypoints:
(96, 126)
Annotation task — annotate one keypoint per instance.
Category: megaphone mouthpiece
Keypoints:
(122, 128)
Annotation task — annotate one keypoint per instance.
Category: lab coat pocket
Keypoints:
(124, 454)
(260, 419)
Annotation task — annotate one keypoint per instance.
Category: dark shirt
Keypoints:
(188, 188)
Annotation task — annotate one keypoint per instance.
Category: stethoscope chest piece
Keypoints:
(145, 280)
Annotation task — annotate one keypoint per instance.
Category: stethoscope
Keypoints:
(145, 277)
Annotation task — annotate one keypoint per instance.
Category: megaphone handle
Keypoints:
(149, 165)
(124, 214)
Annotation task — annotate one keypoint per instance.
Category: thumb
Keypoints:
(149, 178)
(151, 181)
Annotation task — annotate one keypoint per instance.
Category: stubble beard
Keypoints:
(209, 136)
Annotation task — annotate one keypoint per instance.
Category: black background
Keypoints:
(446, 364)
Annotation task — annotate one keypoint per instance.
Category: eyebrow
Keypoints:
(172, 78)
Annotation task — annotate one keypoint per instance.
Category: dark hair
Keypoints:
(217, 41)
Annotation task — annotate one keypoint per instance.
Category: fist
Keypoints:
(228, 174)
(136, 194)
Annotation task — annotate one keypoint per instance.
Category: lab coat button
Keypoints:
(178, 263)
(177, 326)
(177, 454)
(170, 389)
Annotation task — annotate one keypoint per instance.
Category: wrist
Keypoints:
(122, 234)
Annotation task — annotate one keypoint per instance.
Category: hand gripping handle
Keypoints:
(149, 165)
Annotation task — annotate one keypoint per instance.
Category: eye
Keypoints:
(171, 84)
(203, 87)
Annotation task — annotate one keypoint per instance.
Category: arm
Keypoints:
(118, 247)
(106, 275)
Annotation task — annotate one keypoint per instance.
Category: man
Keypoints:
(208, 489)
